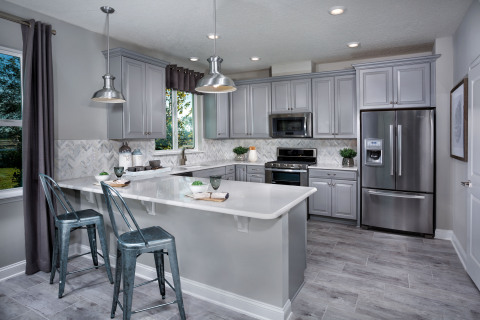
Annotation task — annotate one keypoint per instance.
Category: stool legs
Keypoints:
(160, 267)
(54, 256)
(64, 241)
(103, 244)
(129, 261)
(116, 287)
(172, 257)
(92, 239)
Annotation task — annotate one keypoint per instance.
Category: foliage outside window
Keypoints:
(10, 120)
(180, 121)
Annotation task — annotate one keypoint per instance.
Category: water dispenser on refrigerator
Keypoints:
(373, 152)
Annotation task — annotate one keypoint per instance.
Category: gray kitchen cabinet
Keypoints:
(240, 172)
(206, 173)
(256, 174)
(142, 80)
(250, 107)
(292, 96)
(404, 83)
(229, 173)
(336, 194)
(216, 116)
(334, 107)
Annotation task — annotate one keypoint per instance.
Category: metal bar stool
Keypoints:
(67, 222)
(131, 245)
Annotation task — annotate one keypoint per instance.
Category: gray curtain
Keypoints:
(179, 78)
(38, 143)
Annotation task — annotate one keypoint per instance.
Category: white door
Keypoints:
(473, 205)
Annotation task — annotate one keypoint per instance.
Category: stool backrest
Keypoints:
(116, 203)
(50, 187)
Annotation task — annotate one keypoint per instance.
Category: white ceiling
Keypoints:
(279, 31)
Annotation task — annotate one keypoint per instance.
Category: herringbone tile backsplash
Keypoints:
(79, 158)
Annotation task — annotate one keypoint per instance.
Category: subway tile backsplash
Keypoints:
(78, 158)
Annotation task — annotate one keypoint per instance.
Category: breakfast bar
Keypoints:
(247, 253)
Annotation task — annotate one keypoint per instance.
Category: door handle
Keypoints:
(395, 195)
(399, 148)
(467, 183)
(391, 149)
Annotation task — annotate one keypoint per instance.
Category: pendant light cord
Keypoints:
(215, 27)
(108, 43)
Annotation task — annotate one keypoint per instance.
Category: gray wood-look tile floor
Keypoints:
(351, 274)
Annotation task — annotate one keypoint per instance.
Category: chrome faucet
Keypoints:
(183, 158)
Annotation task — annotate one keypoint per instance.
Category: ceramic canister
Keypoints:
(125, 156)
(137, 158)
(252, 154)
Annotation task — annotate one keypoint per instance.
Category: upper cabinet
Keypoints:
(216, 116)
(292, 96)
(142, 81)
(334, 107)
(250, 107)
(404, 83)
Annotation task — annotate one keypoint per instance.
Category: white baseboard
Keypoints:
(12, 270)
(462, 255)
(226, 299)
(443, 234)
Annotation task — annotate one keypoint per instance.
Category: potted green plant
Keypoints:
(240, 153)
(348, 154)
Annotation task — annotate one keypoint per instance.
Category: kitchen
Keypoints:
(83, 148)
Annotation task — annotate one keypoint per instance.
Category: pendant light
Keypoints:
(108, 94)
(214, 81)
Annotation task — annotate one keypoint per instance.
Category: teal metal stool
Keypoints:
(131, 245)
(67, 222)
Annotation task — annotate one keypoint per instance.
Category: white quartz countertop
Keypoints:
(213, 164)
(320, 166)
(247, 199)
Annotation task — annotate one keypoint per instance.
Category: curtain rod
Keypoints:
(16, 19)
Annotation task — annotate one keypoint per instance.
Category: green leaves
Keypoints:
(348, 153)
(240, 150)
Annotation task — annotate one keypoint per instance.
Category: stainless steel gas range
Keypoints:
(291, 166)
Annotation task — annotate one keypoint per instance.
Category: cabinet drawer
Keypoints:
(209, 172)
(229, 169)
(332, 174)
(256, 169)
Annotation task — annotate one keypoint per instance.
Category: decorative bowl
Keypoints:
(104, 177)
(200, 188)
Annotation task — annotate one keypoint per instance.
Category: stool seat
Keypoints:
(68, 221)
(155, 236)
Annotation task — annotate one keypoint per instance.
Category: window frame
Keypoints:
(196, 120)
(13, 194)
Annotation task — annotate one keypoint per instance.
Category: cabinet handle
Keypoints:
(391, 102)
(329, 184)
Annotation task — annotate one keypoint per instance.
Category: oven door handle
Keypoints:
(285, 170)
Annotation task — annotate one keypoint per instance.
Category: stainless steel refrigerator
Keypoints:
(398, 169)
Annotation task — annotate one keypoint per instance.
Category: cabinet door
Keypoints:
(134, 90)
(256, 178)
(281, 99)
(345, 107)
(230, 176)
(216, 116)
(155, 116)
(301, 93)
(376, 88)
(320, 201)
(412, 85)
(241, 172)
(223, 119)
(323, 107)
(260, 105)
(239, 113)
(344, 199)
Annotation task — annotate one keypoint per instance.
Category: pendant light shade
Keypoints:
(214, 81)
(108, 94)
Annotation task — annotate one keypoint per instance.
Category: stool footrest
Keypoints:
(149, 308)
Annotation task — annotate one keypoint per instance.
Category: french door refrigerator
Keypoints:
(398, 169)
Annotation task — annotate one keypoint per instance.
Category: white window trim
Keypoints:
(13, 194)
(197, 119)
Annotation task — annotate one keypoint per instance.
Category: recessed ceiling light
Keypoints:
(353, 44)
(212, 36)
(335, 11)
(193, 59)
(255, 58)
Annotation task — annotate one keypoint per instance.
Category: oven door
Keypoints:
(290, 177)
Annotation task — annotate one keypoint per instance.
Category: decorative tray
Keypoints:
(115, 183)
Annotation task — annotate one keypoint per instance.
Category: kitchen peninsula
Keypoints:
(247, 253)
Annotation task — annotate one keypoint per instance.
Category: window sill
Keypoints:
(175, 152)
(11, 195)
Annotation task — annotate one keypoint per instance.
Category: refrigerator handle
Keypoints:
(432, 137)
(391, 149)
(399, 148)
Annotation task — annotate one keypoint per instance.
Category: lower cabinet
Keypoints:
(209, 172)
(336, 194)
(229, 173)
(241, 172)
(256, 174)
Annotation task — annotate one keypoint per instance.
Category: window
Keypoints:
(10, 119)
(180, 121)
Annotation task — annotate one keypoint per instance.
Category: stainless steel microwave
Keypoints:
(291, 125)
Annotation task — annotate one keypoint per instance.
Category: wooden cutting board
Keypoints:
(206, 199)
